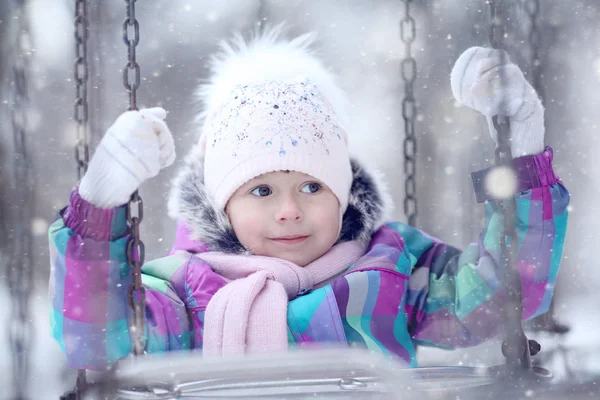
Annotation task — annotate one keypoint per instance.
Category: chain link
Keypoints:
(20, 265)
(80, 112)
(408, 69)
(135, 248)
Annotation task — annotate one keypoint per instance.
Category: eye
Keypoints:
(262, 191)
(311, 188)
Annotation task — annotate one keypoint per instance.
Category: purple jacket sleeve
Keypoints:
(456, 297)
(89, 281)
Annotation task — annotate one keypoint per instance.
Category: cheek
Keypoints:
(247, 222)
(327, 217)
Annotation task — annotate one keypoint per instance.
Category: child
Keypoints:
(282, 236)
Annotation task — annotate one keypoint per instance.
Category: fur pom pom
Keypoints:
(266, 57)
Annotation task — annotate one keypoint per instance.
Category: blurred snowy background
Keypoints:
(360, 40)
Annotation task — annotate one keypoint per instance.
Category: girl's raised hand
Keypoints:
(484, 79)
(135, 148)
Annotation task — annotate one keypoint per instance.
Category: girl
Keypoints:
(282, 236)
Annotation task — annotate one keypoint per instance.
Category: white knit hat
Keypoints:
(272, 106)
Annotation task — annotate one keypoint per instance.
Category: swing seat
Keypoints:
(324, 373)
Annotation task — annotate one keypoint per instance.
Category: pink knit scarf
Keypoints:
(249, 314)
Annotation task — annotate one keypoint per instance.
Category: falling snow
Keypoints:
(360, 41)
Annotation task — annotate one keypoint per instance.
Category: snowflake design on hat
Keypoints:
(279, 116)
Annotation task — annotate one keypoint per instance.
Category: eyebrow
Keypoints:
(287, 171)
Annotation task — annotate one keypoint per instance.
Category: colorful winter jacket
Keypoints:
(409, 288)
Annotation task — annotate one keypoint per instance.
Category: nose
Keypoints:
(289, 210)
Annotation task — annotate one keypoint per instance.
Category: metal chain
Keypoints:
(545, 322)
(532, 8)
(96, 67)
(408, 33)
(20, 265)
(497, 36)
(261, 13)
(80, 116)
(135, 247)
(497, 27)
(515, 346)
(80, 112)
(132, 67)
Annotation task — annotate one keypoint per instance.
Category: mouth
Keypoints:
(293, 239)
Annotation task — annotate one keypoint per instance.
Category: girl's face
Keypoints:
(287, 215)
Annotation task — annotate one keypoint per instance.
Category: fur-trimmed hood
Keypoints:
(202, 225)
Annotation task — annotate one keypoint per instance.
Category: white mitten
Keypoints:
(484, 79)
(135, 148)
